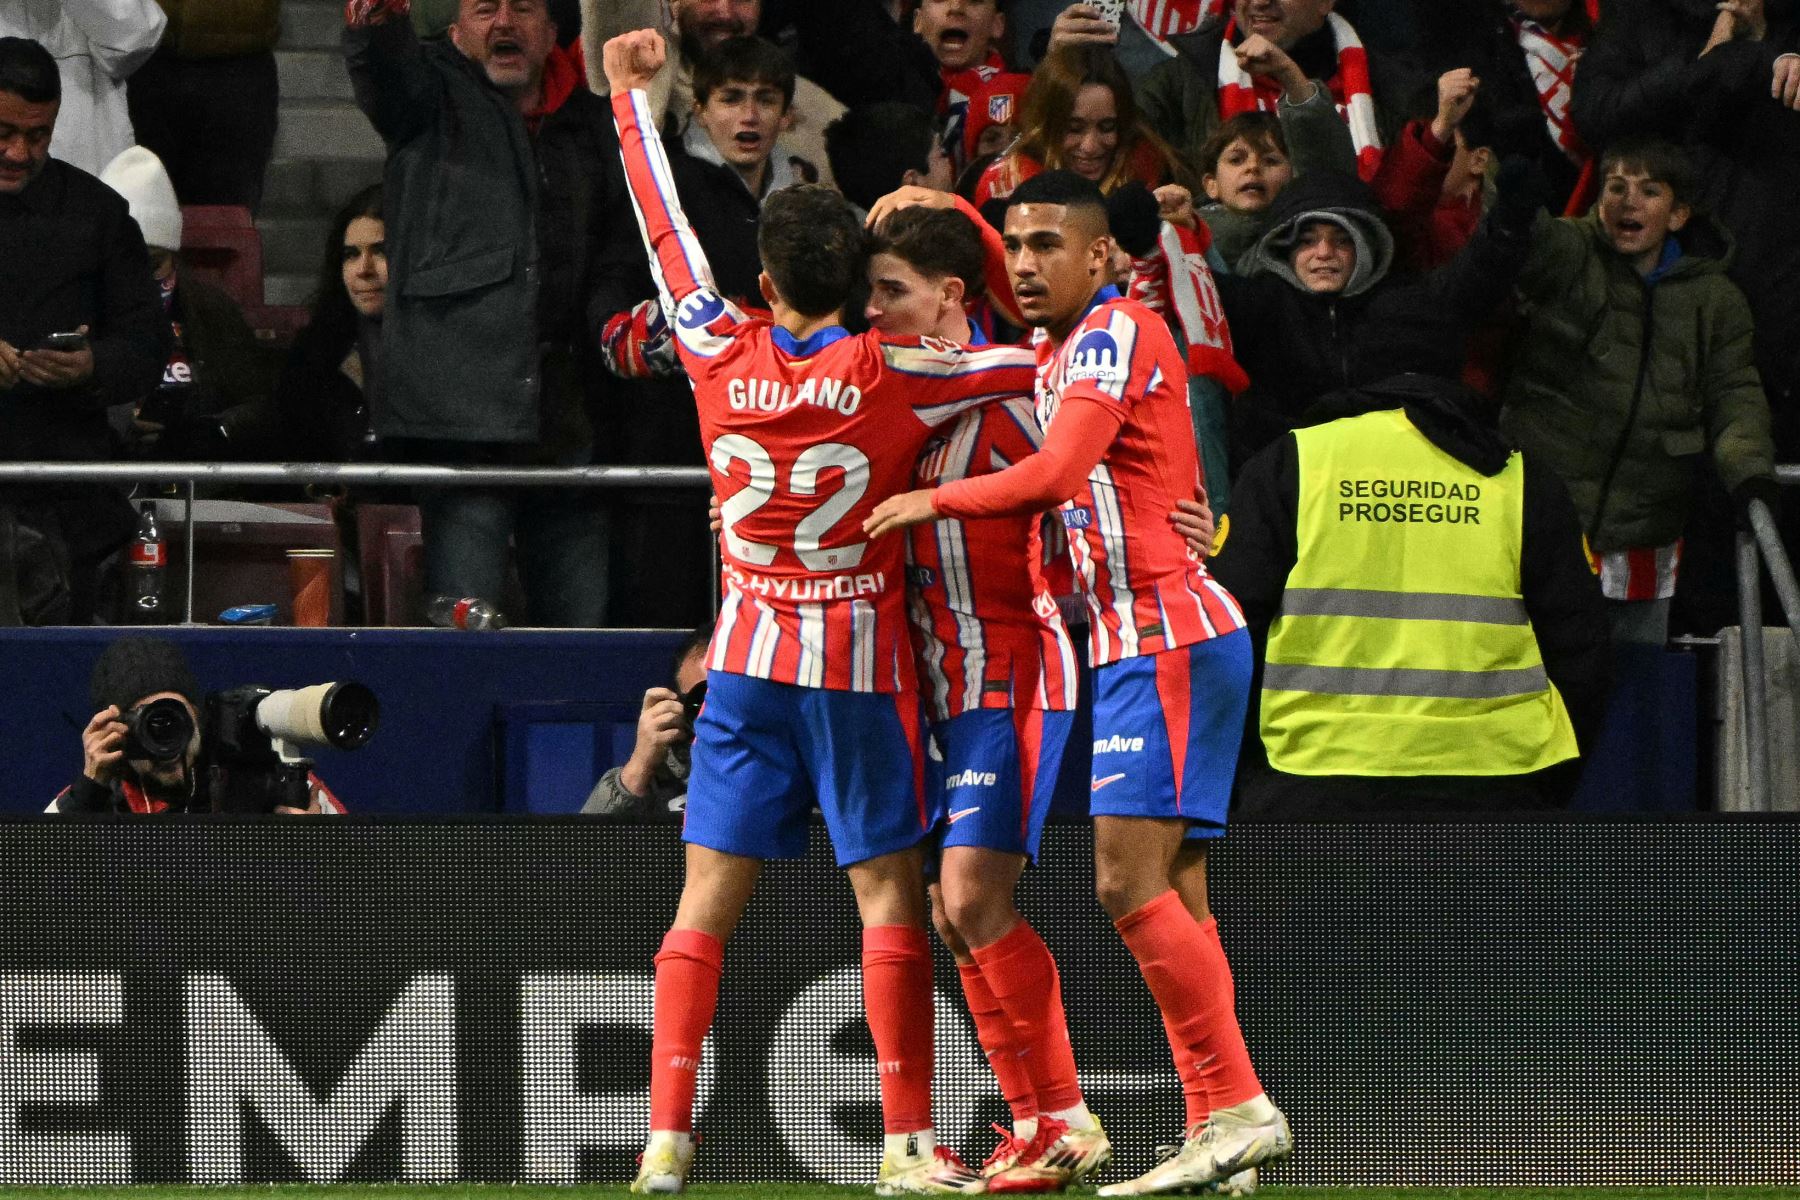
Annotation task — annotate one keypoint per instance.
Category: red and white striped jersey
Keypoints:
(804, 438)
(986, 625)
(1145, 591)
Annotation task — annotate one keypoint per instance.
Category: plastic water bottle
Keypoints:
(146, 566)
(468, 612)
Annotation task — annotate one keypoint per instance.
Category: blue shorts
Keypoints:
(1166, 733)
(765, 753)
(997, 775)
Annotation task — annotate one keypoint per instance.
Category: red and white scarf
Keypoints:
(1172, 18)
(1551, 60)
(1240, 93)
(1175, 280)
(1645, 573)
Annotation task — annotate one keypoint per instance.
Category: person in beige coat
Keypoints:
(696, 26)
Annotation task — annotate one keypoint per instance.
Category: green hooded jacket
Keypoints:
(1622, 384)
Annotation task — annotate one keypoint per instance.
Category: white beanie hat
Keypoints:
(138, 175)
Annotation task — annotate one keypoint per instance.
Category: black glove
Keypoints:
(1135, 220)
(1521, 190)
(1759, 487)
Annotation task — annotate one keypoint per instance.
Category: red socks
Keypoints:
(1185, 966)
(1230, 1078)
(1022, 974)
(1193, 1083)
(897, 999)
(1001, 1043)
(687, 993)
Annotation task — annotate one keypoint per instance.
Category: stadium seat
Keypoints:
(391, 555)
(221, 245)
(241, 555)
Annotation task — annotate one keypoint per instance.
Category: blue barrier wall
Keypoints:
(442, 695)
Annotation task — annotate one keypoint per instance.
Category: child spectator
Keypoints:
(963, 36)
(1316, 306)
(1079, 115)
(743, 90)
(1637, 360)
(879, 147)
(1244, 166)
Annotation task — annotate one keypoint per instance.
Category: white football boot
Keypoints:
(1232, 1141)
(664, 1164)
(934, 1172)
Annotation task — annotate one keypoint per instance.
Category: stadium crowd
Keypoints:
(1395, 362)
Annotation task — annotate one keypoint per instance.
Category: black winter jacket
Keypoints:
(494, 244)
(1298, 345)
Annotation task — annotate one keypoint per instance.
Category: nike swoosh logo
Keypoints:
(1100, 783)
(960, 813)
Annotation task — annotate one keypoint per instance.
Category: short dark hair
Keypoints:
(744, 60)
(873, 146)
(28, 71)
(1654, 158)
(1262, 130)
(812, 246)
(1061, 187)
(938, 242)
(694, 643)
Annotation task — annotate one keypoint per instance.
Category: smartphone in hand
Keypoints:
(65, 343)
(1111, 11)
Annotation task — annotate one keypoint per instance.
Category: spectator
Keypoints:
(1392, 501)
(653, 781)
(489, 330)
(1724, 79)
(1244, 166)
(1080, 115)
(96, 44)
(324, 391)
(879, 147)
(132, 673)
(1434, 179)
(1189, 96)
(743, 93)
(1316, 308)
(699, 26)
(206, 101)
(71, 262)
(1635, 360)
(1526, 54)
(213, 401)
(964, 37)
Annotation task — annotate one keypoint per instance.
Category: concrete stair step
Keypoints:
(326, 129)
(311, 25)
(292, 245)
(312, 75)
(299, 187)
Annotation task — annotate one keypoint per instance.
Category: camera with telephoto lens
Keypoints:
(255, 737)
(157, 732)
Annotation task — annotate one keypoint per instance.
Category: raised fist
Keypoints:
(632, 60)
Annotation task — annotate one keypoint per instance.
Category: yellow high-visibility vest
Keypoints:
(1403, 647)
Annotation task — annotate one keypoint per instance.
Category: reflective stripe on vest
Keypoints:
(1403, 646)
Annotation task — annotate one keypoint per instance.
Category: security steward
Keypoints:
(1429, 632)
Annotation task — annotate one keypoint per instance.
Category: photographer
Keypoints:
(132, 674)
(653, 781)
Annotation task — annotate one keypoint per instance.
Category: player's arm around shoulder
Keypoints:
(940, 380)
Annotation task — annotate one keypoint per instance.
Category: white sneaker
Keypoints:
(664, 1164)
(1228, 1144)
(938, 1173)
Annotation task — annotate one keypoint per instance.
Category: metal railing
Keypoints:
(1757, 547)
(349, 474)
